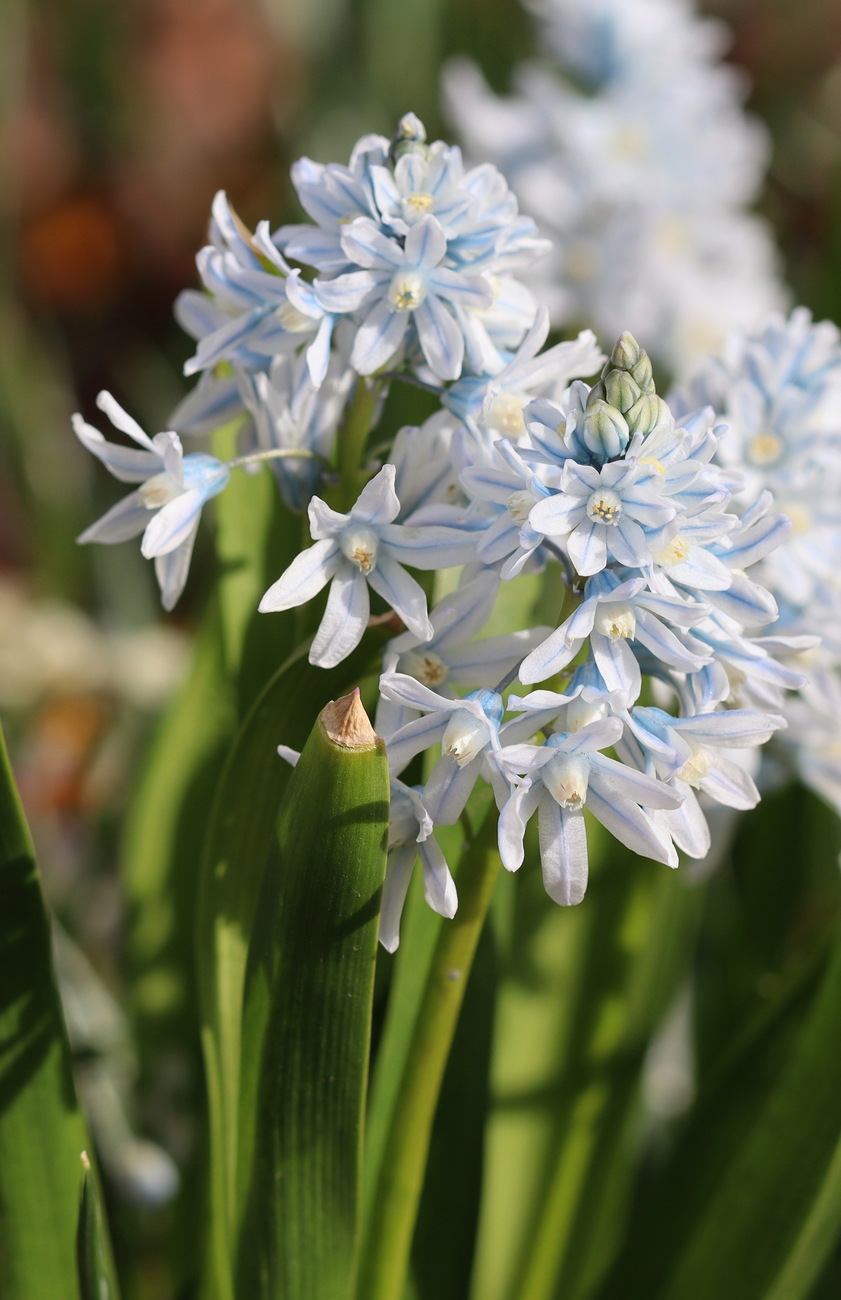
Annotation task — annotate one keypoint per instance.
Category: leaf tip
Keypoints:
(346, 722)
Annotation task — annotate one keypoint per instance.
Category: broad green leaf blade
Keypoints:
(240, 832)
(749, 1193)
(42, 1134)
(94, 1260)
(307, 1018)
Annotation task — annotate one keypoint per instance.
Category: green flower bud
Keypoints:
(642, 372)
(410, 135)
(620, 390)
(604, 430)
(646, 413)
(626, 352)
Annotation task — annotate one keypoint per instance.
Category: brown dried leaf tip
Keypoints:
(347, 723)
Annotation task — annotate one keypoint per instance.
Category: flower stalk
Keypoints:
(388, 1230)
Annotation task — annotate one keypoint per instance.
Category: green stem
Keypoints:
(353, 439)
(390, 1224)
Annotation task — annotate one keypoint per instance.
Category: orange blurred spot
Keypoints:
(70, 256)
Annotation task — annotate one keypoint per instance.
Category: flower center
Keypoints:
(519, 506)
(465, 737)
(696, 766)
(675, 553)
(765, 449)
(566, 780)
(360, 547)
(604, 507)
(418, 203)
(505, 412)
(158, 491)
(616, 621)
(425, 666)
(293, 320)
(407, 291)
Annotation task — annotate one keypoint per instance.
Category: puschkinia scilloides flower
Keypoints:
(779, 391)
(166, 506)
(413, 252)
(639, 530)
(361, 549)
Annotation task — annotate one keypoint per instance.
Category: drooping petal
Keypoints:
(512, 824)
(172, 568)
(563, 851)
(441, 339)
(172, 524)
(398, 875)
(344, 621)
(378, 338)
(632, 827)
(405, 596)
(449, 787)
(438, 885)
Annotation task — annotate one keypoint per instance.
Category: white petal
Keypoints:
(563, 851)
(171, 569)
(122, 420)
(512, 824)
(172, 524)
(449, 787)
(440, 338)
(438, 886)
(344, 621)
(378, 338)
(305, 577)
(126, 519)
(405, 596)
(398, 876)
(125, 463)
(377, 502)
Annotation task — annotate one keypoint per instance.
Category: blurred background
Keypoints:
(118, 122)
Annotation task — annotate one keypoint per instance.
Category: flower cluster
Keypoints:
(651, 669)
(409, 261)
(641, 537)
(639, 163)
(780, 393)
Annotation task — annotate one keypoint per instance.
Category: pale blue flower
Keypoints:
(616, 614)
(249, 314)
(563, 777)
(166, 507)
(401, 287)
(605, 513)
(410, 836)
(360, 549)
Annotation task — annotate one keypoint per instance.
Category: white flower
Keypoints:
(167, 505)
(360, 549)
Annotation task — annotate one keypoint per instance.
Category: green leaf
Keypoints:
(585, 989)
(239, 835)
(749, 1206)
(94, 1260)
(307, 1018)
(42, 1134)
